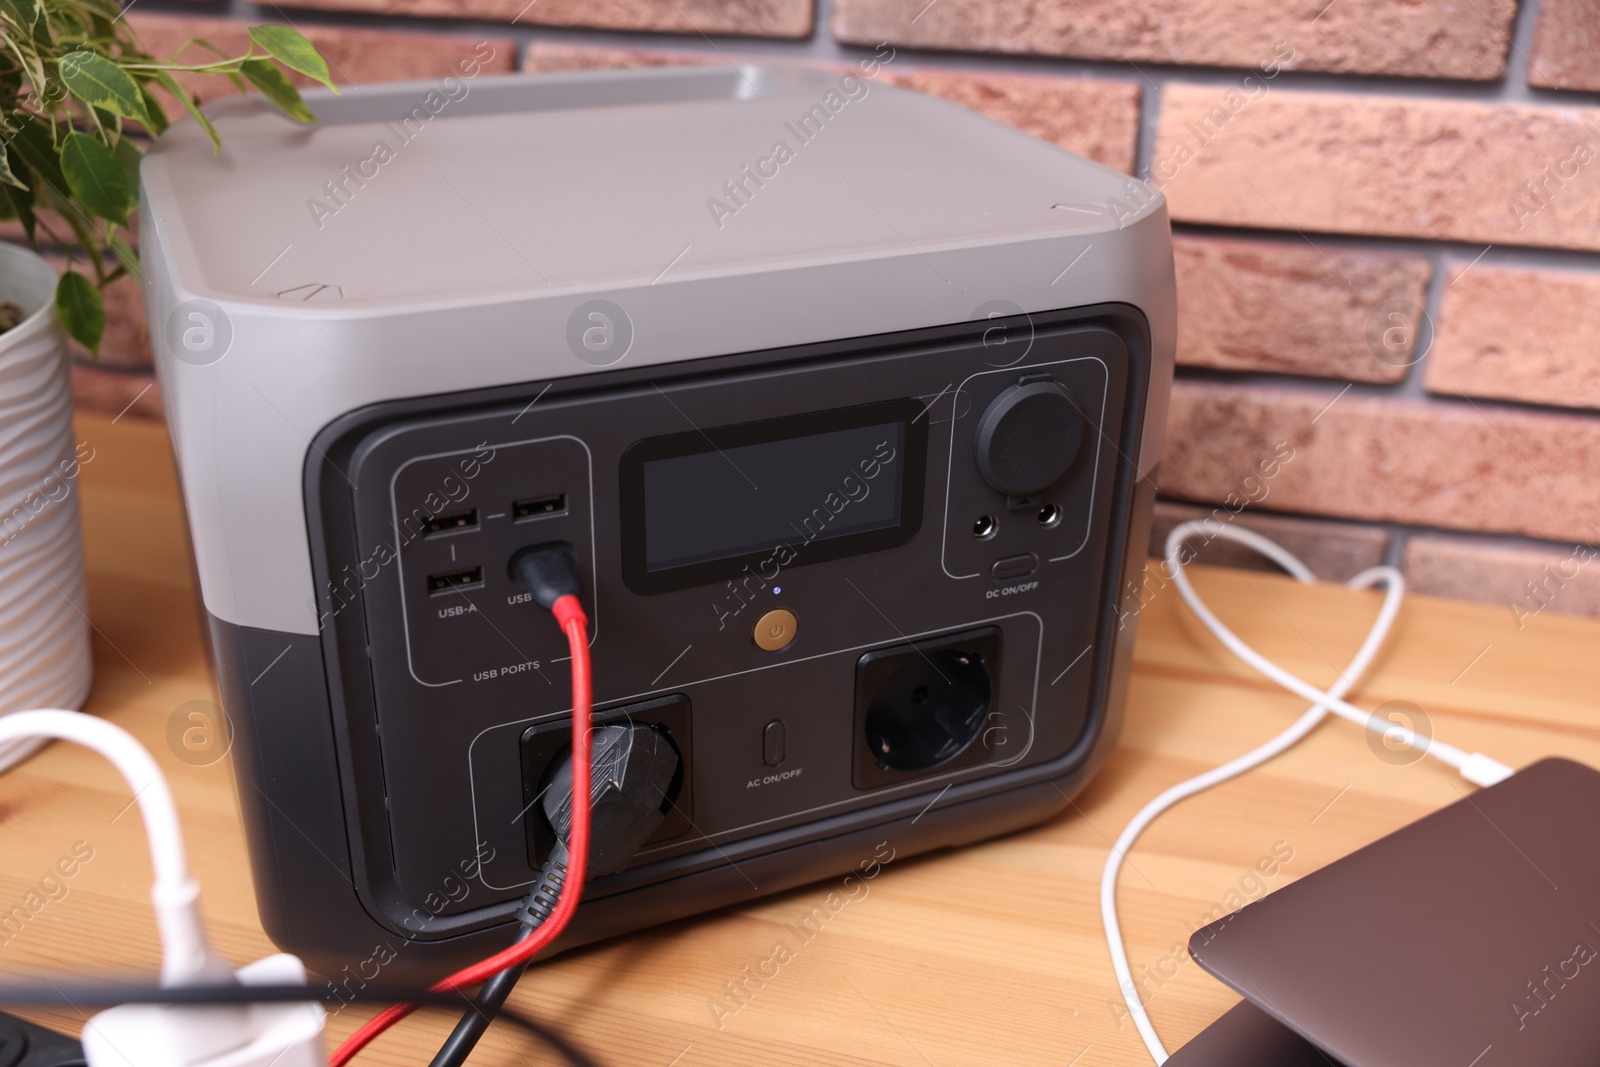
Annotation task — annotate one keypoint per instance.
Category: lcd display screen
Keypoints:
(734, 501)
(808, 487)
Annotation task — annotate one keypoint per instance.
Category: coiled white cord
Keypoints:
(1475, 767)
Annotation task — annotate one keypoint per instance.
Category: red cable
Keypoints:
(568, 611)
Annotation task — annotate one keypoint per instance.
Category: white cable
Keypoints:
(1477, 768)
(187, 956)
(157, 1035)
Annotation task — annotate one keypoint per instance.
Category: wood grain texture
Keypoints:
(990, 955)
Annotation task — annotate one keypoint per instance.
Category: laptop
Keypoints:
(1470, 938)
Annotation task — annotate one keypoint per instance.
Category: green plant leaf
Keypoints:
(158, 115)
(94, 174)
(37, 149)
(290, 47)
(48, 88)
(23, 13)
(126, 255)
(7, 176)
(98, 82)
(170, 84)
(108, 121)
(21, 200)
(81, 310)
(103, 9)
(104, 27)
(69, 26)
(276, 86)
(129, 156)
(65, 203)
(28, 16)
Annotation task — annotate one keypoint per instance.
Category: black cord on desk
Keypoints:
(489, 1003)
(634, 766)
(76, 995)
(533, 912)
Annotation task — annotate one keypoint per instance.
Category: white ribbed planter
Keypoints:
(44, 604)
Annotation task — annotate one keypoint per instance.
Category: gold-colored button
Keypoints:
(776, 629)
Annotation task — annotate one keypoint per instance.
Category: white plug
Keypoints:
(1483, 771)
(234, 1035)
(166, 1035)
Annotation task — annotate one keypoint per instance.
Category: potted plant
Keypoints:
(78, 96)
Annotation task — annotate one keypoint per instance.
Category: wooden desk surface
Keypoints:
(989, 955)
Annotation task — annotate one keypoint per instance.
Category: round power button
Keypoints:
(776, 629)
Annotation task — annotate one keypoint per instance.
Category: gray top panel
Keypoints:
(421, 220)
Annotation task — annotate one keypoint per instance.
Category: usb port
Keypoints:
(456, 520)
(539, 507)
(454, 581)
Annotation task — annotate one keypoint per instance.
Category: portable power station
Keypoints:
(847, 401)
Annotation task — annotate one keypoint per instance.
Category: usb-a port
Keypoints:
(455, 581)
(451, 523)
(539, 507)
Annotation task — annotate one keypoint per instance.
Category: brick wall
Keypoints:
(1387, 217)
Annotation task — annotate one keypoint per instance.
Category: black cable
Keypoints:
(535, 909)
(77, 995)
(69, 994)
(633, 766)
(555, 1040)
(548, 572)
(489, 1002)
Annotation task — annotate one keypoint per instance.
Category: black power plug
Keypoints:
(632, 767)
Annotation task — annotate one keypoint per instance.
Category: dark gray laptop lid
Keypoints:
(1470, 938)
(1246, 1036)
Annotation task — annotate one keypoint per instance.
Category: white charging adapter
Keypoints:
(245, 1035)
(190, 1035)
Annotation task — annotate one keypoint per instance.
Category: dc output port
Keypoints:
(1050, 516)
(984, 527)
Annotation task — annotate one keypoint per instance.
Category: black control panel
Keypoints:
(839, 579)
